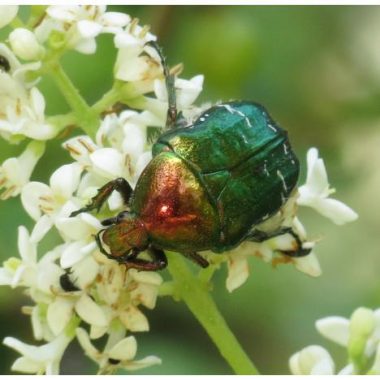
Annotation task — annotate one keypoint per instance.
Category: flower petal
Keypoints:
(41, 228)
(26, 365)
(126, 349)
(115, 19)
(79, 227)
(90, 311)
(188, 90)
(85, 272)
(135, 140)
(312, 360)
(88, 29)
(86, 46)
(151, 278)
(48, 276)
(85, 342)
(335, 329)
(31, 195)
(142, 363)
(24, 44)
(28, 251)
(349, 370)
(316, 180)
(66, 13)
(238, 272)
(308, 264)
(335, 210)
(7, 14)
(75, 252)
(59, 314)
(107, 162)
(133, 319)
(64, 181)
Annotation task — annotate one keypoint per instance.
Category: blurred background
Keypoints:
(317, 71)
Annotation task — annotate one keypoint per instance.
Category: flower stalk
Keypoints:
(201, 304)
(88, 119)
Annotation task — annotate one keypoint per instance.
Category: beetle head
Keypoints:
(129, 232)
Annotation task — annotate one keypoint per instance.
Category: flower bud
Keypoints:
(24, 44)
(375, 370)
(362, 325)
(7, 14)
(312, 360)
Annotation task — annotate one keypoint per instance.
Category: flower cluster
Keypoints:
(360, 335)
(77, 292)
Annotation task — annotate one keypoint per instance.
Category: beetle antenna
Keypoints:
(170, 87)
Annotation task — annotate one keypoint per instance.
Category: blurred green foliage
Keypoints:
(317, 70)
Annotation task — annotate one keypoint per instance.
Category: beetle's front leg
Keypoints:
(131, 260)
(159, 260)
(118, 184)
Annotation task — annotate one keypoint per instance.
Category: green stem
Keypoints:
(37, 13)
(17, 23)
(108, 100)
(62, 121)
(120, 92)
(205, 310)
(83, 112)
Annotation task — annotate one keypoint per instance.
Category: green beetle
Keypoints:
(206, 188)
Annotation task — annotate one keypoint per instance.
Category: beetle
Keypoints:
(206, 188)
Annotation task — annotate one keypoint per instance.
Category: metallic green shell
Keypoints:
(244, 162)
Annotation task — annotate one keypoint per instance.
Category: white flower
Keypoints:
(135, 61)
(7, 14)
(24, 44)
(79, 231)
(81, 24)
(57, 202)
(187, 91)
(38, 198)
(17, 71)
(80, 148)
(39, 276)
(121, 293)
(15, 172)
(316, 191)
(119, 352)
(362, 328)
(270, 250)
(121, 151)
(360, 335)
(22, 111)
(312, 360)
(61, 310)
(39, 360)
(22, 106)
